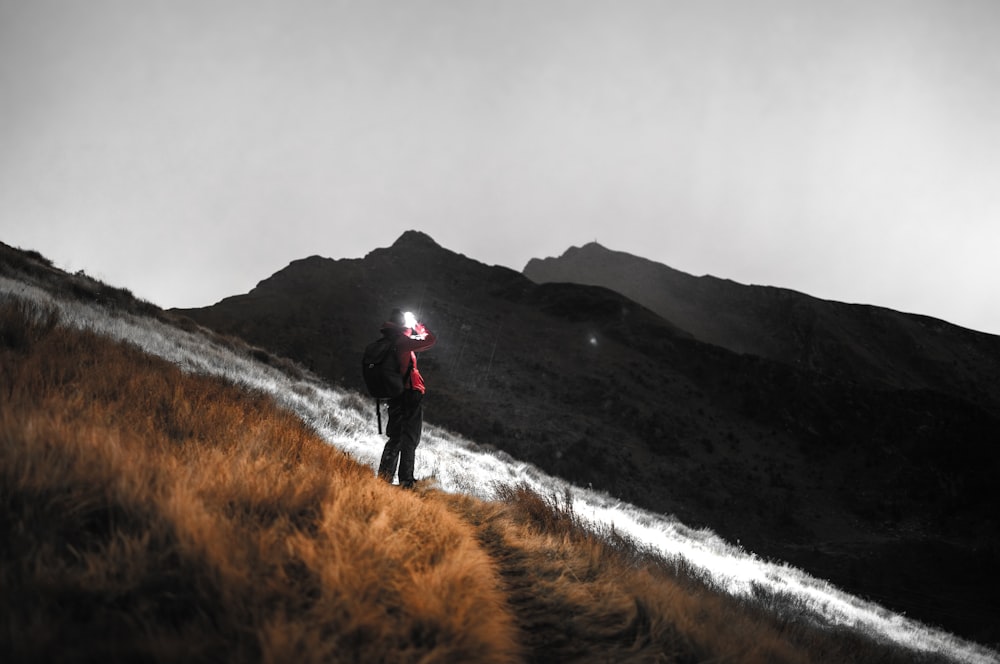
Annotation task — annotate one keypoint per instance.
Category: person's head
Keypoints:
(395, 323)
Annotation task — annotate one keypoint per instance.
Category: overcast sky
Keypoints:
(187, 149)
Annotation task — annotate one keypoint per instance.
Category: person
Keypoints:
(405, 411)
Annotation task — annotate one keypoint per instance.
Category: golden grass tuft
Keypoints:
(577, 594)
(158, 515)
(581, 596)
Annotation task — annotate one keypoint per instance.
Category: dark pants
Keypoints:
(406, 421)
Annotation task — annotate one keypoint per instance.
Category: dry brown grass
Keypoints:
(580, 596)
(148, 514)
(156, 515)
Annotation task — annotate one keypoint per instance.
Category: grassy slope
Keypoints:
(153, 514)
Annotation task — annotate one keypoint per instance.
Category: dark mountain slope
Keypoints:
(847, 341)
(835, 475)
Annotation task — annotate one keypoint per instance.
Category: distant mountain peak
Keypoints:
(592, 250)
(415, 239)
(585, 258)
(588, 248)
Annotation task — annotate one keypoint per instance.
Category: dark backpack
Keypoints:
(381, 370)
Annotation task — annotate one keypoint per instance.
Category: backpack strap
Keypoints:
(406, 376)
(409, 370)
(409, 366)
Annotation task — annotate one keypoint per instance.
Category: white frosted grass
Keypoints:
(458, 465)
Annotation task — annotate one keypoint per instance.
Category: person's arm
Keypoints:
(417, 345)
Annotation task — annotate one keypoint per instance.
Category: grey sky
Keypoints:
(188, 149)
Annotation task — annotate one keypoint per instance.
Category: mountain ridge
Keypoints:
(849, 341)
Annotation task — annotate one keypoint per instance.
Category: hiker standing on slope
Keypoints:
(406, 415)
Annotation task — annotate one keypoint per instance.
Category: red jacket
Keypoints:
(407, 347)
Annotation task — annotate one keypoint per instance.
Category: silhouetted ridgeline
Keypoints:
(866, 454)
(852, 342)
(154, 513)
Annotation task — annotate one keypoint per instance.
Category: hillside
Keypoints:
(886, 491)
(180, 510)
(850, 342)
